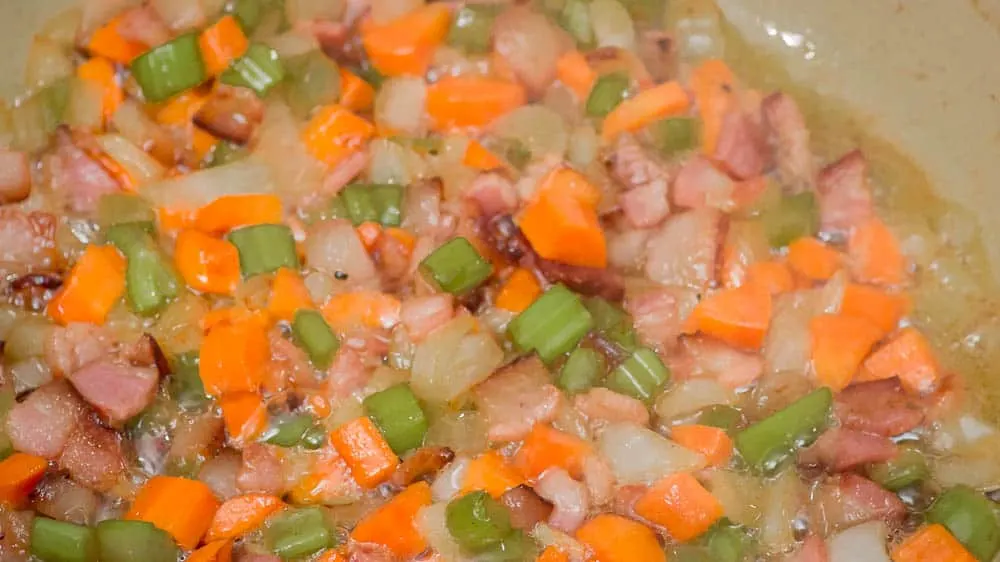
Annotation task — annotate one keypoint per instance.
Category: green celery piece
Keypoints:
(226, 152)
(477, 521)
(297, 533)
(171, 68)
(289, 431)
(907, 469)
(470, 28)
(515, 547)
(359, 204)
(248, 14)
(56, 541)
(456, 267)
(150, 278)
(313, 79)
(582, 370)
(388, 201)
(727, 542)
(126, 541)
(792, 217)
(122, 208)
(971, 518)
(398, 415)
(689, 553)
(608, 91)
(552, 325)
(641, 376)
(314, 437)
(613, 322)
(575, 19)
(265, 248)
(721, 416)
(185, 382)
(313, 334)
(260, 69)
(765, 444)
(674, 135)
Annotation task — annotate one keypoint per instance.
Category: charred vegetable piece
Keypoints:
(56, 541)
(641, 376)
(314, 335)
(674, 135)
(765, 444)
(971, 517)
(185, 382)
(478, 522)
(398, 415)
(313, 79)
(612, 322)
(265, 248)
(381, 203)
(552, 325)
(907, 469)
(456, 267)
(608, 91)
(120, 208)
(297, 533)
(171, 68)
(289, 431)
(583, 369)
(126, 541)
(790, 218)
(150, 278)
(260, 69)
(470, 29)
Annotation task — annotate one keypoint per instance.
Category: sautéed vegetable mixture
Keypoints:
(390, 280)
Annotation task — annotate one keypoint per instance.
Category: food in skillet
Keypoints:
(445, 281)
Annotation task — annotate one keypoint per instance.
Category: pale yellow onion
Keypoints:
(399, 106)
(384, 11)
(786, 347)
(452, 360)
(496, 319)
(559, 98)
(697, 26)
(583, 145)
(448, 166)
(197, 189)
(173, 329)
(180, 15)
(638, 455)
(28, 123)
(97, 12)
(132, 122)
(47, 63)
(293, 43)
(62, 28)
(85, 109)
(543, 131)
(612, 24)
(29, 374)
(344, 411)
(139, 164)
(862, 543)
(280, 149)
(783, 498)
(450, 479)
(464, 432)
(308, 10)
(432, 524)
(391, 162)
(738, 492)
(689, 396)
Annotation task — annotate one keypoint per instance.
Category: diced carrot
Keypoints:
(931, 543)
(173, 220)
(881, 308)
(478, 157)
(738, 316)
(713, 85)
(221, 43)
(573, 70)
(181, 109)
(545, 447)
(244, 415)
(681, 504)
(393, 525)
(644, 108)
(406, 45)
(712, 442)
(368, 233)
(875, 256)
(207, 264)
(107, 42)
(813, 259)
(180, 506)
(94, 285)
(362, 308)
(613, 538)
(234, 357)
(519, 291)
(355, 94)
(773, 275)
(329, 480)
(552, 554)
(319, 405)
(403, 236)
(491, 473)
(334, 133)
(232, 315)
(908, 355)
(242, 514)
(288, 294)
(366, 452)
(233, 211)
(460, 102)
(218, 551)
(561, 221)
(101, 72)
(19, 474)
(839, 344)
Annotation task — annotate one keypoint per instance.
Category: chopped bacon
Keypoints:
(67, 349)
(346, 374)
(289, 365)
(81, 179)
(526, 507)
(813, 549)
(423, 462)
(43, 423)
(659, 313)
(840, 449)
(599, 478)
(845, 198)
(493, 193)
(93, 457)
(625, 498)
(569, 498)
(707, 357)
(231, 112)
(117, 390)
(422, 315)
(789, 140)
(260, 471)
(15, 176)
(645, 202)
(700, 184)
(27, 240)
(602, 406)
(656, 50)
(645, 206)
(219, 474)
(529, 44)
(344, 173)
(516, 398)
(683, 251)
(848, 499)
(144, 25)
(741, 148)
(879, 407)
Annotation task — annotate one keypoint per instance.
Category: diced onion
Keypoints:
(333, 246)
(281, 150)
(612, 24)
(640, 456)
(399, 106)
(139, 164)
(65, 500)
(219, 474)
(786, 347)
(463, 432)
(738, 492)
(783, 497)
(180, 15)
(384, 11)
(391, 162)
(690, 396)
(204, 186)
(47, 63)
(85, 110)
(293, 43)
(452, 360)
(62, 27)
(697, 28)
(449, 480)
(432, 524)
(583, 145)
(541, 130)
(308, 10)
(861, 543)
(173, 329)
(30, 374)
